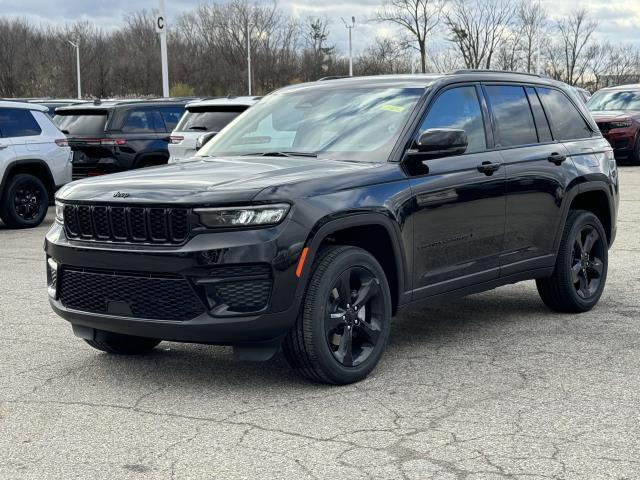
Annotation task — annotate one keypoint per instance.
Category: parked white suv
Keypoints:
(35, 160)
(202, 120)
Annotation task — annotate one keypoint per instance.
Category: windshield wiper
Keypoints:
(282, 154)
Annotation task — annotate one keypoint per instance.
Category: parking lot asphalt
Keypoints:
(492, 386)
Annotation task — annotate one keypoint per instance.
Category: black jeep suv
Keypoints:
(320, 212)
(113, 136)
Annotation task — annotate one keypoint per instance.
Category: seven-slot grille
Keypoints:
(127, 224)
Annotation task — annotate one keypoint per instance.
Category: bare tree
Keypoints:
(444, 60)
(317, 51)
(575, 31)
(418, 19)
(531, 23)
(385, 56)
(477, 28)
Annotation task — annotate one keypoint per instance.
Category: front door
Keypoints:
(459, 201)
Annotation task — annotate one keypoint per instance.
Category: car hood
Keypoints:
(610, 115)
(209, 181)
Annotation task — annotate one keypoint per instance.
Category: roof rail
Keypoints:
(333, 77)
(481, 70)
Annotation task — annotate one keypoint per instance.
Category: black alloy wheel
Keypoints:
(29, 200)
(354, 316)
(344, 324)
(580, 272)
(24, 202)
(588, 266)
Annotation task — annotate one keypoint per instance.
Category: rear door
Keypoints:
(146, 137)
(459, 202)
(537, 176)
(23, 131)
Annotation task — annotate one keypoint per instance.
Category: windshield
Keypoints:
(356, 124)
(614, 101)
(90, 123)
(209, 120)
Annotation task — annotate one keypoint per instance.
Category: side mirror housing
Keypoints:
(441, 142)
(204, 138)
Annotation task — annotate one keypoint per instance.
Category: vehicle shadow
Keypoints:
(195, 367)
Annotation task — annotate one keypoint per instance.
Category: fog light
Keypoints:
(52, 278)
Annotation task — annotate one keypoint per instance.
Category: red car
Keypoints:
(616, 110)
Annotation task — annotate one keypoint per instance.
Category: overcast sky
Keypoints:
(619, 19)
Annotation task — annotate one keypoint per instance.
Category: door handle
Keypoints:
(556, 158)
(3, 146)
(488, 168)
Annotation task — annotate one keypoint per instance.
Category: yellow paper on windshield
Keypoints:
(391, 108)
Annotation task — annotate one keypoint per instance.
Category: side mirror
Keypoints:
(441, 142)
(204, 138)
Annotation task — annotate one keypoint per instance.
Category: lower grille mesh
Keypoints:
(147, 296)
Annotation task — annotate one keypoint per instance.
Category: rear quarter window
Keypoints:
(143, 121)
(566, 121)
(18, 122)
(171, 116)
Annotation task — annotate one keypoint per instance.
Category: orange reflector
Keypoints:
(303, 257)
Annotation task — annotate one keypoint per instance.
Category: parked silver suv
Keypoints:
(35, 160)
(202, 120)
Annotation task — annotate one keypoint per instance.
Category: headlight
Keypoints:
(59, 212)
(623, 124)
(259, 215)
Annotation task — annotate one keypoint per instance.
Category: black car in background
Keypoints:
(114, 136)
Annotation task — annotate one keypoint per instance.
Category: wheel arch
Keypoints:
(375, 233)
(35, 167)
(596, 198)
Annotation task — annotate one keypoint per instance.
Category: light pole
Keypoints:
(161, 29)
(350, 28)
(248, 57)
(76, 45)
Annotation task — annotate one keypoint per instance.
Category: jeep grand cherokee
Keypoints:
(326, 208)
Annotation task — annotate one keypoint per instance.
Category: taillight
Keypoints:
(112, 141)
(174, 139)
(62, 142)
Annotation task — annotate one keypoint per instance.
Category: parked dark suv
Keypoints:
(113, 136)
(329, 206)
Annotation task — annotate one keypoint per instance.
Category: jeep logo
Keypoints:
(121, 195)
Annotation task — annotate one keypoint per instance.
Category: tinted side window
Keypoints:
(171, 116)
(458, 108)
(17, 122)
(142, 121)
(542, 124)
(566, 121)
(513, 118)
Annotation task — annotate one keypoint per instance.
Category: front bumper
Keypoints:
(198, 263)
(623, 143)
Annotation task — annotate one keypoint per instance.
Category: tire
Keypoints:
(570, 292)
(25, 202)
(333, 343)
(122, 344)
